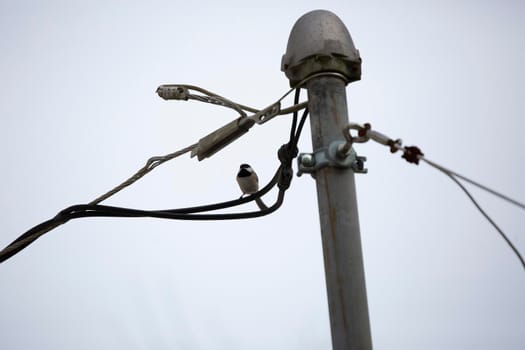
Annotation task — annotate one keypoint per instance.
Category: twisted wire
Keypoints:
(414, 155)
(151, 164)
(489, 219)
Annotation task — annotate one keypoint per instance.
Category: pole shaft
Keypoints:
(343, 259)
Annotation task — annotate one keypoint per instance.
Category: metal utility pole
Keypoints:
(321, 50)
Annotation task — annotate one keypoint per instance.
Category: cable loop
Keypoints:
(286, 155)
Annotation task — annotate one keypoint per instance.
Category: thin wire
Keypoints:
(489, 219)
(94, 209)
(396, 145)
(65, 215)
(212, 94)
(307, 79)
(299, 85)
(220, 100)
(453, 175)
(293, 108)
(477, 184)
(464, 178)
(294, 119)
(183, 93)
(151, 164)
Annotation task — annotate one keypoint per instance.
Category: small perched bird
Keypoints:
(247, 179)
(249, 183)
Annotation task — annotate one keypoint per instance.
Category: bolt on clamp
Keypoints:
(331, 156)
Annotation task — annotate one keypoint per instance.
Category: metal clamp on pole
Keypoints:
(266, 114)
(330, 157)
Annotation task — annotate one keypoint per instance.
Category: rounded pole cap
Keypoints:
(319, 42)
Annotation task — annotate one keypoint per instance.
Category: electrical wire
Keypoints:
(303, 82)
(282, 178)
(414, 155)
(454, 176)
(181, 92)
(97, 210)
(489, 219)
(477, 184)
(294, 108)
(151, 164)
(212, 94)
(300, 127)
(91, 210)
(396, 146)
(294, 118)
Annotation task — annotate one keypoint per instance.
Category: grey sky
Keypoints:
(79, 114)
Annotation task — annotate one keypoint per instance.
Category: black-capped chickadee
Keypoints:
(249, 183)
(247, 179)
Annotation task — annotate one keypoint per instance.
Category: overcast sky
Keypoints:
(79, 114)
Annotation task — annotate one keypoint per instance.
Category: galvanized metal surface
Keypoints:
(330, 156)
(320, 44)
(339, 220)
(222, 137)
(319, 41)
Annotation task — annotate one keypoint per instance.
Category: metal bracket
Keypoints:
(173, 92)
(266, 114)
(332, 157)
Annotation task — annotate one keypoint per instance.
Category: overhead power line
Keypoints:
(489, 219)
(151, 164)
(282, 179)
(206, 147)
(475, 183)
(413, 154)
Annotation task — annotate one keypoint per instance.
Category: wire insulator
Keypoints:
(412, 154)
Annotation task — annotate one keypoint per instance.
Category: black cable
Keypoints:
(232, 203)
(300, 127)
(87, 210)
(294, 118)
(95, 210)
(282, 178)
(188, 210)
(189, 213)
(27, 238)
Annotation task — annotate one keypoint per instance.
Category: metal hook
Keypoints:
(362, 136)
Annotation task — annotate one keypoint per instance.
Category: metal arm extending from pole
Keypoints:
(319, 42)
